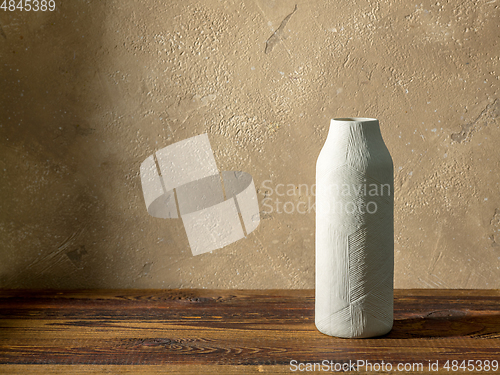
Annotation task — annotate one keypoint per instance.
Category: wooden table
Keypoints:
(189, 331)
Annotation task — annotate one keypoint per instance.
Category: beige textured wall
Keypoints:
(89, 91)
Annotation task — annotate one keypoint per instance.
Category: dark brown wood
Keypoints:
(263, 330)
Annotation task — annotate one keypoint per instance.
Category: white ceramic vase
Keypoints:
(354, 231)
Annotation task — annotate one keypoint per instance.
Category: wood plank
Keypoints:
(141, 369)
(191, 328)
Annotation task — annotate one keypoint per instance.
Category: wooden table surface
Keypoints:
(190, 331)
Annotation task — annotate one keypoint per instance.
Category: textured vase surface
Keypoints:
(354, 231)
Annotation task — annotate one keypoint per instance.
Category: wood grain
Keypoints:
(263, 330)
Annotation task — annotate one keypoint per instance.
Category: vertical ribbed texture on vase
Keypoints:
(354, 231)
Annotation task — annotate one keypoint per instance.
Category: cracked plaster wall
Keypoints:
(89, 91)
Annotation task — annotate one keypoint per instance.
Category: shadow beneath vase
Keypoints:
(447, 323)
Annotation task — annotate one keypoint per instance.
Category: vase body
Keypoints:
(354, 231)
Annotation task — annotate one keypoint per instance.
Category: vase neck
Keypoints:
(367, 129)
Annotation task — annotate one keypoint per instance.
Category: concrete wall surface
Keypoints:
(91, 89)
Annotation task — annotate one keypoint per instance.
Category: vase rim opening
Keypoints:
(354, 119)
